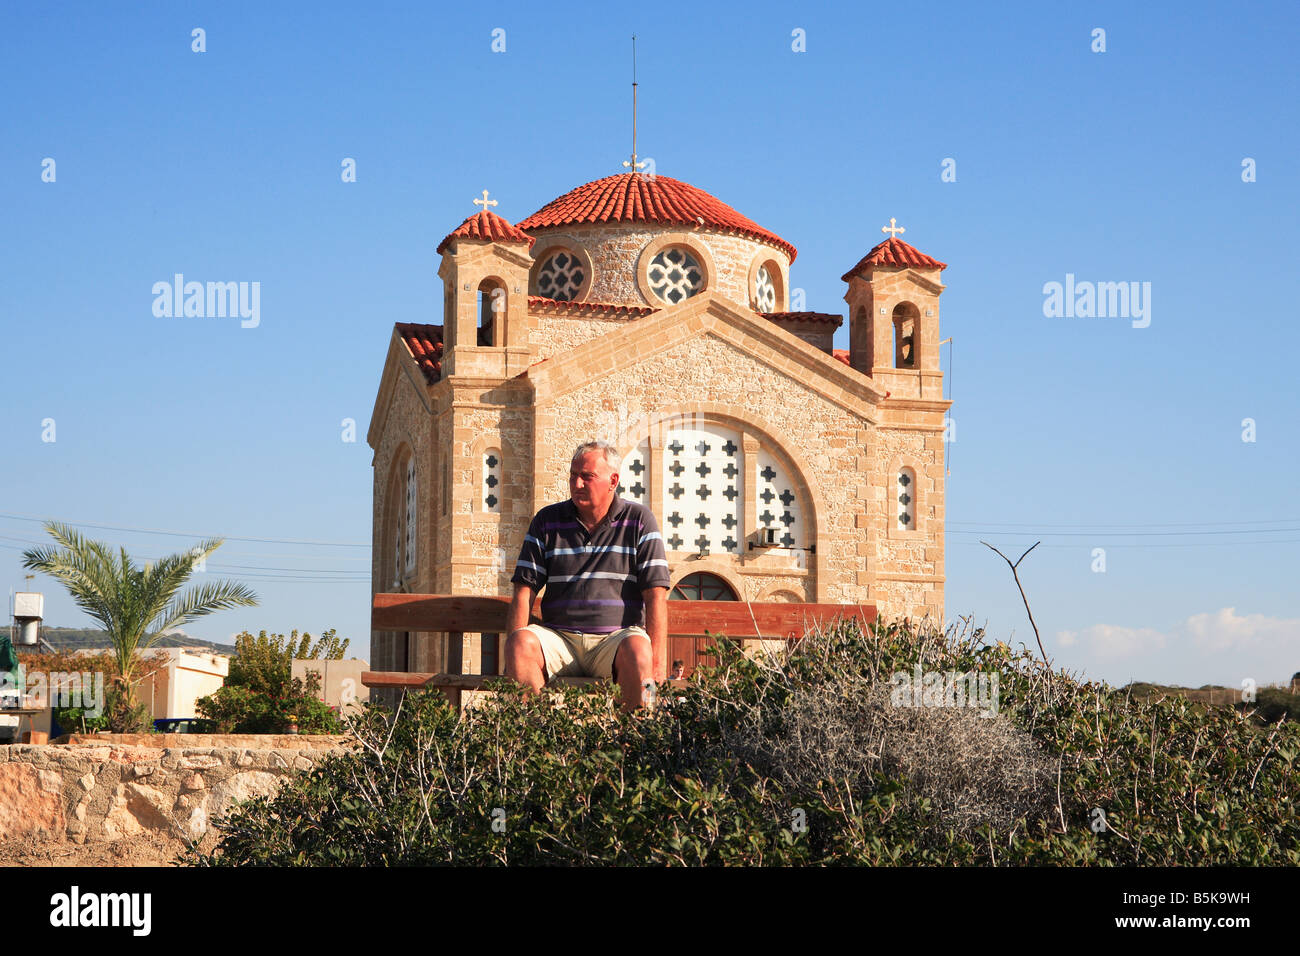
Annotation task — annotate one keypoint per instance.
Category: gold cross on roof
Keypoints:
(485, 202)
(893, 228)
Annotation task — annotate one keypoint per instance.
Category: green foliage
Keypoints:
(1274, 704)
(260, 695)
(134, 605)
(265, 663)
(242, 710)
(733, 773)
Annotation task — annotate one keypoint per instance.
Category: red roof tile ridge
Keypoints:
(805, 316)
(635, 197)
(487, 226)
(424, 342)
(541, 302)
(895, 253)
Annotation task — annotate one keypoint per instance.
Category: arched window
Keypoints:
(411, 511)
(402, 512)
(767, 285)
(491, 303)
(905, 500)
(632, 478)
(702, 586)
(906, 335)
(703, 473)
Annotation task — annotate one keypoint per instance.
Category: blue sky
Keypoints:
(1117, 166)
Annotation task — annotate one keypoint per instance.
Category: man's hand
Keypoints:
(656, 625)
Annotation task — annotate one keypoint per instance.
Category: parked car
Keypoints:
(184, 725)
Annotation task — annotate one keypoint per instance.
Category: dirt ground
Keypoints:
(146, 849)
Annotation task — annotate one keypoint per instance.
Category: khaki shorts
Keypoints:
(574, 654)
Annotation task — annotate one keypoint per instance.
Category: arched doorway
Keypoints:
(699, 586)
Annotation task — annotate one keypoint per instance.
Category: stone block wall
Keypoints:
(89, 793)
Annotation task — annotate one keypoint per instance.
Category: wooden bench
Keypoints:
(692, 627)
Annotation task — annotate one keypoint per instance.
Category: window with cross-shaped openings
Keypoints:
(633, 482)
(779, 515)
(492, 481)
(410, 515)
(905, 500)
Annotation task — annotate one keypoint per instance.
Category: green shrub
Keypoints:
(242, 710)
(260, 695)
(795, 761)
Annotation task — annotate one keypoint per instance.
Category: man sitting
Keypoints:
(603, 564)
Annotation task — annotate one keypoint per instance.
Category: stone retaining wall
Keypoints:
(101, 792)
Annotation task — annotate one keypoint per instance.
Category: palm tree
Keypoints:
(134, 605)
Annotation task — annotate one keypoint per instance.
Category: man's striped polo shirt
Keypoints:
(593, 579)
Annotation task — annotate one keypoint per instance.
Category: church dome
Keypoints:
(638, 198)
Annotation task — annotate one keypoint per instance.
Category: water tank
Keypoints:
(29, 609)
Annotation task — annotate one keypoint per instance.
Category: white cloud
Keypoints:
(1111, 640)
(1213, 646)
(1225, 630)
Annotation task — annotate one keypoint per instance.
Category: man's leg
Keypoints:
(633, 665)
(524, 660)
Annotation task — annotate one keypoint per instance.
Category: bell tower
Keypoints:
(893, 299)
(485, 263)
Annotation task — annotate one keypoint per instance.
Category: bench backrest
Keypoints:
(688, 621)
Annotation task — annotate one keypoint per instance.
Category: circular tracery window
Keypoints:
(764, 291)
(675, 275)
(560, 277)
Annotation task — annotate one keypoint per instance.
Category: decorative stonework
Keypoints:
(764, 291)
(560, 276)
(491, 500)
(673, 267)
(562, 269)
(675, 275)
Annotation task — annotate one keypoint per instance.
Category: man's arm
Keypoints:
(521, 604)
(656, 625)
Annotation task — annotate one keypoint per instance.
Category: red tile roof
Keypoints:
(841, 355)
(633, 197)
(425, 345)
(486, 226)
(895, 253)
(830, 317)
(538, 303)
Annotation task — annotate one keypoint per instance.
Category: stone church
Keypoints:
(643, 310)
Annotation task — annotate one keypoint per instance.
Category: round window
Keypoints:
(675, 275)
(561, 276)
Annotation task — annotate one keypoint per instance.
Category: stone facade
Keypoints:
(852, 435)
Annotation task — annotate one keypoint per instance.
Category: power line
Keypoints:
(1177, 524)
(1126, 534)
(189, 534)
(1181, 544)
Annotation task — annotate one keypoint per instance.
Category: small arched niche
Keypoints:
(907, 334)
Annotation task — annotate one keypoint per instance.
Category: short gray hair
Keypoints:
(612, 457)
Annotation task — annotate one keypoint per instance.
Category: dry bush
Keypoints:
(843, 726)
